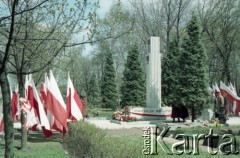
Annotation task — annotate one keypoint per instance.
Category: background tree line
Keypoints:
(218, 21)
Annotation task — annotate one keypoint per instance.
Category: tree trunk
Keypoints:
(193, 113)
(23, 117)
(23, 132)
(7, 112)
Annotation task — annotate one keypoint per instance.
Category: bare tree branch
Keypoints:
(23, 11)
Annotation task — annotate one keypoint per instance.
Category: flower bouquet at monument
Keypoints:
(127, 118)
(122, 116)
(117, 115)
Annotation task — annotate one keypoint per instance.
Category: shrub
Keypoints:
(88, 141)
(84, 140)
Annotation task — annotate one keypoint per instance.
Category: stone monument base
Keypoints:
(147, 113)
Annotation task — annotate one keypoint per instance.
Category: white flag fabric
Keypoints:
(217, 88)
(55, 104)
(42, 117)
(74, 103)
(232, 88)
(232, 96)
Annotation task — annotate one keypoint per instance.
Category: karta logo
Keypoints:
(152, 141)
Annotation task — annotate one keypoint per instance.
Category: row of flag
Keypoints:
(47, 109)
(229, 92)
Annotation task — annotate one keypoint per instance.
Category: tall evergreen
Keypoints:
(170, 79)
(193, 86)
(108, 87)
(93, 92)
(133, 89)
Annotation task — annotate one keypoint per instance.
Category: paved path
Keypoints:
(107, 124)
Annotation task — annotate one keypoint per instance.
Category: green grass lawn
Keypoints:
(38, 147)
(102, 112)
(138, 141)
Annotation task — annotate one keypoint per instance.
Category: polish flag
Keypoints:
(32, 111)
(235, 104)
(232, 88)
(14, 104)
(54, 124)
(39, 110)
(229, 93)
(74, 103)
(232, 96)
(55, 104)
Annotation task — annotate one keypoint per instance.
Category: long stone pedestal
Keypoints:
(147, 113)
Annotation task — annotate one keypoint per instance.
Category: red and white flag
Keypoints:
(74, 103)
(229, 93)
(39, 110)
(232, 96)
(232, 88)
(55, 104)
(54, 124)
(14, 104)
(30, 97)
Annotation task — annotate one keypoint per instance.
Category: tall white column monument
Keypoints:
(153, 73)
(153, 109)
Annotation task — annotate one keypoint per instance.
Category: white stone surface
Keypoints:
(154, 73)
(147, 113)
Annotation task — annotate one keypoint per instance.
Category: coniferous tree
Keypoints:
(193, 86)
(170, 79)
(133, 89)
(108, 87)
(93, 92)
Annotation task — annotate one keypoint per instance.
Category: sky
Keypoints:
(105, 6)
